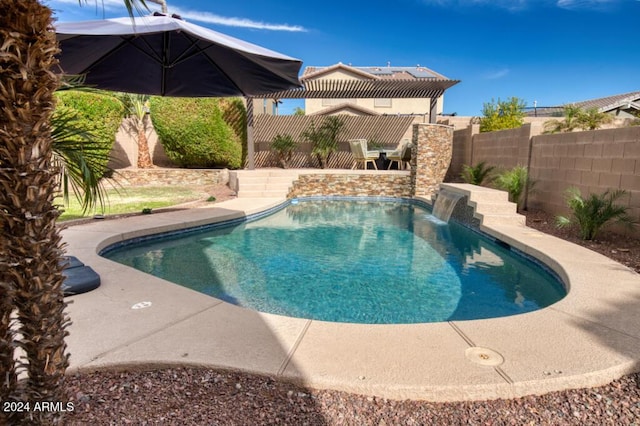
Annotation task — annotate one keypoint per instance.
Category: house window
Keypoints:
(382, 102)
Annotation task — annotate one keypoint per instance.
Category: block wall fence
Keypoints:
(592, 161)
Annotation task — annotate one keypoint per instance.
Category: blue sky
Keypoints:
(550, 51)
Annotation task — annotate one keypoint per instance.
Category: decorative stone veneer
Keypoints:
(430, 157)
(161, 176)
(393, 184)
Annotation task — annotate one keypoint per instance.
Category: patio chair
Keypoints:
(361, 155)
(400, 155)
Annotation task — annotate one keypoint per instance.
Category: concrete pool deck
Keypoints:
(135, 320)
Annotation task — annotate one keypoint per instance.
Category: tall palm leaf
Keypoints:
(80, 161)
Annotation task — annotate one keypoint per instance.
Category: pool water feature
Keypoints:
(374, 262)
(445, 203)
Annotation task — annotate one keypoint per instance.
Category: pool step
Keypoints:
(491, 206)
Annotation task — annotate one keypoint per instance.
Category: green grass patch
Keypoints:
(134, 200)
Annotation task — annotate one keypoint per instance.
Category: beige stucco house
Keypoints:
(369, 106)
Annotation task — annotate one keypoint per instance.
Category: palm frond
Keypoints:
(594, 212)
(80, 161)
(477, 174)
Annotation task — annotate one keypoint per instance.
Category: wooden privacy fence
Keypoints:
(387, 131)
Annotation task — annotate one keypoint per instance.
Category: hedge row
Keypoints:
(194, 133)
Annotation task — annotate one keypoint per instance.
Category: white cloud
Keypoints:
(188, 15)
(516, 5)
(494, 75)
(584, 4)
(211, 18)
(512, 5)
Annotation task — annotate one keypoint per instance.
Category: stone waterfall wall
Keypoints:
(430, 157)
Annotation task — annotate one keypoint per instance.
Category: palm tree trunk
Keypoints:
(31, 247)
(144, 157)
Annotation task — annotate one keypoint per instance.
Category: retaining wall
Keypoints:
(386, 184)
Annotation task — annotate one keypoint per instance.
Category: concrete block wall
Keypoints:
(504, 149)
(461, 154)
(592, 161)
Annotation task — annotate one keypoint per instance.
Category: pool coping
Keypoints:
(134, 320)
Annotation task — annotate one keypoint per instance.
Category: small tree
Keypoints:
(298, 111)
(594, 212)
(136, 109)
(324, 138)
(284, 147)
(500, 115)
(476, 174)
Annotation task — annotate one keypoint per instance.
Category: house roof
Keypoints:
(375, 72)
(346, 106)
(629, 100)
(369, 89)
(610, 102)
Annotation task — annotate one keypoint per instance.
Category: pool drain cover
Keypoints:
(483, 356)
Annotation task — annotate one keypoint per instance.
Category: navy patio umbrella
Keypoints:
(164, 55)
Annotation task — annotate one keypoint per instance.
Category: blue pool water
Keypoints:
(375, 262)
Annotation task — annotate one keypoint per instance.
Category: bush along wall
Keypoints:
(100, 114)
(194, 134)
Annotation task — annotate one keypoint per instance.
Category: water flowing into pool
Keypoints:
(445, 203)
(351, 261)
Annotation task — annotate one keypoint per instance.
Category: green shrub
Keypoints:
(194, 133)
(500, 115)
(234, 114)
(284, 147)
(594, 212)
(515, 182)
(577, 118)
(100, 115)
(476, 174)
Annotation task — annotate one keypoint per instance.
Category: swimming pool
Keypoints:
(366, 261)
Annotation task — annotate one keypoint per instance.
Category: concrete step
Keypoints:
(503, 219)
(266, 185)
(494, 208)
(263, 194)
(271, 180)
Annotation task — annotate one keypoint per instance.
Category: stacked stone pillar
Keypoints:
(430, 157)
